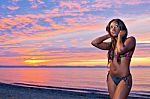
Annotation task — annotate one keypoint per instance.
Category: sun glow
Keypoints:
(35, 61)
(140, 61)
(89, 62)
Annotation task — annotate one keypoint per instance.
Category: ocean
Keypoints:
(80, 78)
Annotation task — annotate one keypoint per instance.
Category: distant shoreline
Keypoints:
(66, 66)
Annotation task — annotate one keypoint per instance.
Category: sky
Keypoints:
(59, 32)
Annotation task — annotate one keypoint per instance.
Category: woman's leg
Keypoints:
(123, 89)
(111, 86)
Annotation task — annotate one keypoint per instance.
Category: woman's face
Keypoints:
(114, 29)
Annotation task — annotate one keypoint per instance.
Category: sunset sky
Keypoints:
(59, 32)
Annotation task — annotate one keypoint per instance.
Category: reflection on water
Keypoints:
(71, 77)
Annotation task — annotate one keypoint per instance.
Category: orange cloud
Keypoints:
(60, 57)
(56, 26)
(98, 62)
(15, 61)
(7, 23)
(22, 51)
(38, 27)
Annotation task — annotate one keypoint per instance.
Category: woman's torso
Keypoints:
(121, 69)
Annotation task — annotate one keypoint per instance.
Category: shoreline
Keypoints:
(27, 91)
(10, 91)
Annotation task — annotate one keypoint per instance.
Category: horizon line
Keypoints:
(66, 66)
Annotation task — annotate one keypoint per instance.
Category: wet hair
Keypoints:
(122, 26)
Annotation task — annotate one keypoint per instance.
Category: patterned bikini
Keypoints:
(117, 79)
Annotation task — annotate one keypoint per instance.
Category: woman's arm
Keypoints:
(128, 44)
(98, 42)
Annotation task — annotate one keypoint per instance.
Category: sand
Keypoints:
(9, 91)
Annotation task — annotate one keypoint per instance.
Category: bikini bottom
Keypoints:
(117, 79)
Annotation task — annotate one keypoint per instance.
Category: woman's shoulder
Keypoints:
(131, 39)
(130, 42)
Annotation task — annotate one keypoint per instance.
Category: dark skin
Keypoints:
(122, 90)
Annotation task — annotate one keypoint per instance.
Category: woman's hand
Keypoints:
(120, 44)
(121, 33)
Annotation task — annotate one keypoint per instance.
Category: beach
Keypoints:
(8, 91)
(64, 83)
(12, 91)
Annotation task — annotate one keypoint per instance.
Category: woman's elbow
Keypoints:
(93, 43)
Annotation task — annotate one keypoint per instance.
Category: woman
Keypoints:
(120, 51)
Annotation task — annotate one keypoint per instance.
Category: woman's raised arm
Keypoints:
(129, 44)
(98, 42)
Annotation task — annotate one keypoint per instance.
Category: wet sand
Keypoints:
(9, 91)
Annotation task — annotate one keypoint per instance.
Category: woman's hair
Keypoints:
(122, 26)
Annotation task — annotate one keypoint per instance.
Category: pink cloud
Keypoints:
(34, 6)
(141, 52)
(142, 36)
(74, 43)
(35, 3)
(70, 5)
(20, 21)
(101, 5)
(38, 27)
(13, 7)
(40, 1)
(56, 12)
(132, 2)
(84, 2)
(19, 36)
(7, 23)
(29, 33)
(15, 61)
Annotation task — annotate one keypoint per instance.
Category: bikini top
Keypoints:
(111, 54)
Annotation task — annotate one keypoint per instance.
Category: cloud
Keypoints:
(51, 32)
(34, 6)
(13, 7)
(14, 61)
(25, 27)
(69, 5)
(101, 5)
(132, 2)
(36, 3)
(51, 57)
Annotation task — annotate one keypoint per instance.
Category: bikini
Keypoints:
(127, 55)
(117, 79)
